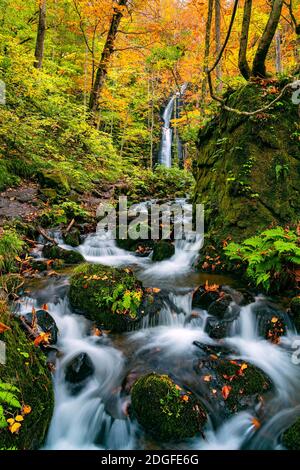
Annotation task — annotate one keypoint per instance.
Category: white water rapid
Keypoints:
(95, 416)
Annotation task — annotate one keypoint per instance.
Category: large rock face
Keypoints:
(248, 169)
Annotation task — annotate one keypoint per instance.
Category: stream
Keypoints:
(95, 417)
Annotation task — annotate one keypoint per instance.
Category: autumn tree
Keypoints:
(107, 52)
(259, 62)
(41, 33)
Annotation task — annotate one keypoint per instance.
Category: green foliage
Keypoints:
(267, 257)
(63, 213)
(11, 245)
(162, 183)
(8, 400)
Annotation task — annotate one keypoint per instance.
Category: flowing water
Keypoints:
(95, 417)
(165, 157)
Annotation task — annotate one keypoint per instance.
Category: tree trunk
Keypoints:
(106, 56)
(259, 62)
(243, 63)
(218, 43)
(207, 46)
(278, 53)
(41, 33)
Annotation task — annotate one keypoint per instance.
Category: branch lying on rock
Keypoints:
(35, 334)
(70, 226)
(46, 236)
(293, 85)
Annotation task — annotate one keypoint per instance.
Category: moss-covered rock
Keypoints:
(247, 169)
(291, 437)
(72, 238)
(164, 409)
(25, 369)
(244, 381)
(113, 298)
(163, 250)
(69, 256)
(295, 309)
(55, 179)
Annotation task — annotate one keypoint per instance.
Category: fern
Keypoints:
(267, 257)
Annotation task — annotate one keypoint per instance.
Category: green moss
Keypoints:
(69, 256)
(163, 250)
(26, 369)
(235, 167)
(72, 238)
(243, 383)
(164, 410)
(291, 437)
(111, 297)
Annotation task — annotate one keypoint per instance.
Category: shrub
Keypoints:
(11, 245)
(269, 257)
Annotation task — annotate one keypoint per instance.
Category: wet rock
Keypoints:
(72, 238)
(45, 323)
(163, 250)
(69, 256)
(203, 298)
(229, 386)
(113, 298)
(220, 307)
(54, 179)
(79, 369)
(271, 322)
(291, 437)
(295, 310)
(165, 410)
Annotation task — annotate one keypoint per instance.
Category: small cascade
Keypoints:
(165, 156)
(94, 415)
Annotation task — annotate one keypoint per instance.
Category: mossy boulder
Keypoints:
(26, 370)
(247, 169)
(72, 238)
(69, 256)
(245, 382)
(113, 298)
(163, 250)
(165, 410)
(291, 437)
(295, 309)
(54, 179)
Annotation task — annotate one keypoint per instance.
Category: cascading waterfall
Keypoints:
(96, 417)
(165, 156)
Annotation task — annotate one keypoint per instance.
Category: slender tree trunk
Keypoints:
(218, 43)
(106, 56)
(41, 33)
(243, 63)
(259, 62)
(207, 47)
(278, 53)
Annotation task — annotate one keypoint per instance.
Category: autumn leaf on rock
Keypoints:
(226, 391)
(43, 338)
(212, 288)
(256, 423)
(207, 378)
(26, 410)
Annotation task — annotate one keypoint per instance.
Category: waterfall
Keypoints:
(165, 157)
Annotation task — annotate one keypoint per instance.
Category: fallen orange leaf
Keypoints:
(3, 328)
(256, 423)
(26, 409)
(226, 391)
(207, 378)
(43, 338)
